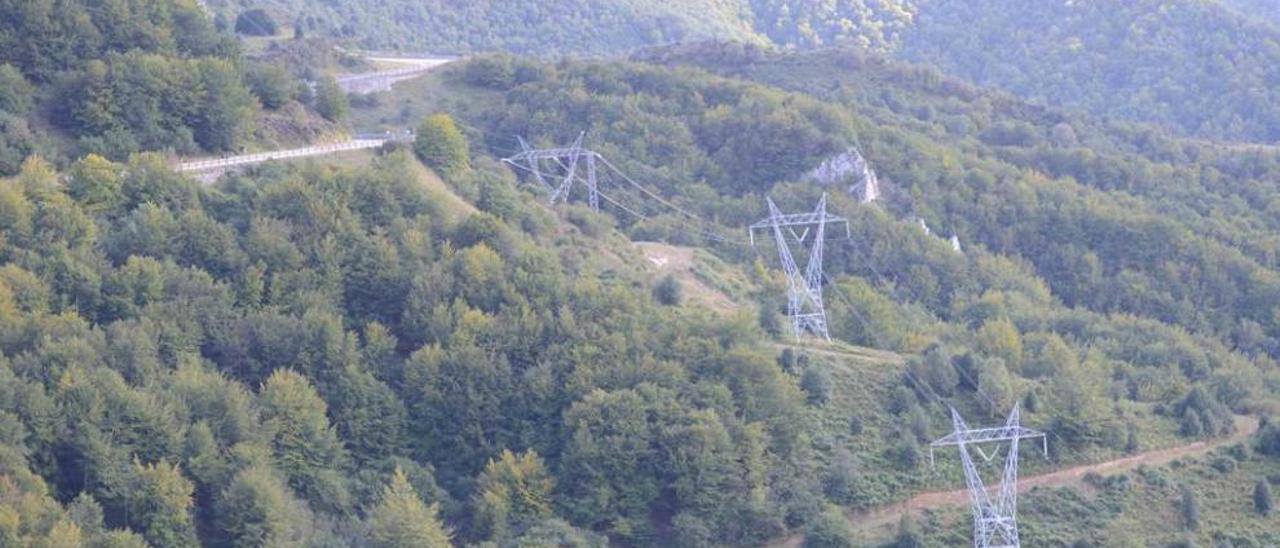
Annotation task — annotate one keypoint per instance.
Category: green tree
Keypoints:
(1000, 338)
(271, 83)
(257, 510)
(95, 183)
(227, 110)
(330, 101)
(306, 447)
(440, 144)
(160, 504)
(402, 520)
(512, 494)
(15, 91)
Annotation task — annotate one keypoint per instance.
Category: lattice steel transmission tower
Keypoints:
(995, 515)
(804, 289)
(562, 164)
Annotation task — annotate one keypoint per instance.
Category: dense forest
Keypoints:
(115, 78)
(326, 357)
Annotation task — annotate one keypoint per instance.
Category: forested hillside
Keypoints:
(586, 26)
(408, 347)
(251, 365)
(1107, 298)
(530, 26)
(1200, 68)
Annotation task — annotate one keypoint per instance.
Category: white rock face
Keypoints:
(849, 167)
(955, 244)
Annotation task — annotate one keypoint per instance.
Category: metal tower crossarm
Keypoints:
(806, 220)
(805, 306)
(567, 160)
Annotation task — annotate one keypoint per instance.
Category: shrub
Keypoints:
(1190, 509)
(787, 360)
(909, 535)
(256, 22)
(816, 383)
(667, 291)
(829, 530)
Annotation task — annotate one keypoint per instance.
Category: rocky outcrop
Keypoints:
(852, 169)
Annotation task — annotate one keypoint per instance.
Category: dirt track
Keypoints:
(884, 519)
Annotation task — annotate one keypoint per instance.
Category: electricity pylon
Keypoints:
(804, 290)
(995, 518)
(564, 166)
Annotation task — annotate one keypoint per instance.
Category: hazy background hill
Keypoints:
(1205, 69)
(1195, 67)
(527, 26)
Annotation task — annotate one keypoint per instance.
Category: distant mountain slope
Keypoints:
(1204, 68)
(526, 26)
(1268, 10)
(1193, 66)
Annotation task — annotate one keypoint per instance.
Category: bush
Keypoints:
(1223, 464)
(1267, 440)
(787, 360)
(256, 22)
(909, 535)
(907, 451)
(855, 425)
(1190, 509)
(770, 320)
(667, 291)
(816, 383)
(1262, 497)
(829, 530)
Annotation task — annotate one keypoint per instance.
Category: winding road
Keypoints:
(208, 169)
(382, 80)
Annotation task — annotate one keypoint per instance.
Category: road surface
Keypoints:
(371, 82)
(221, 164)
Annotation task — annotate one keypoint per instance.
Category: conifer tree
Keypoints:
(402, 520)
